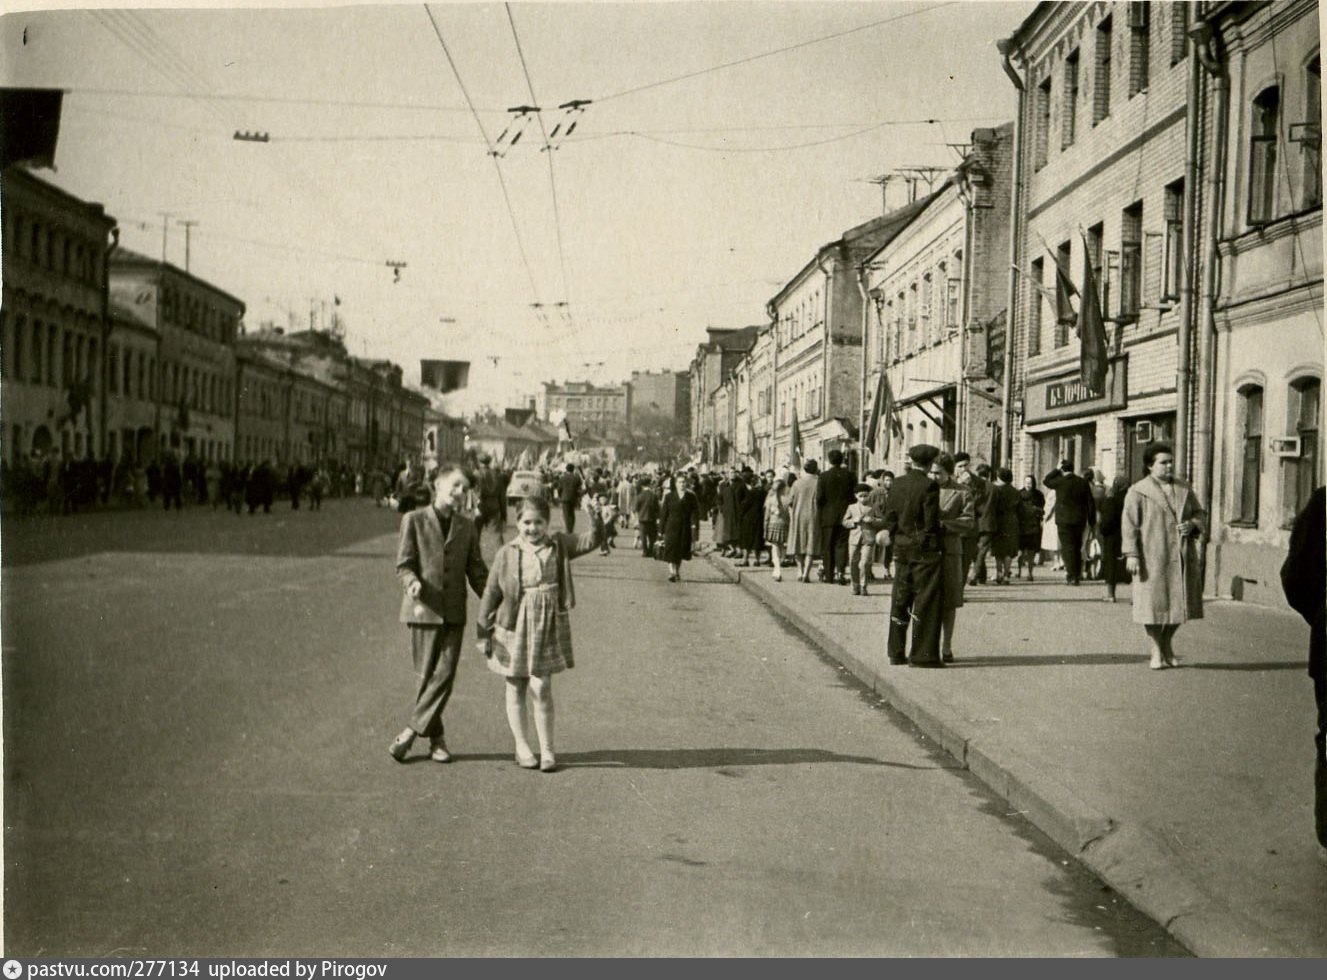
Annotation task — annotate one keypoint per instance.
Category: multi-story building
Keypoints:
(1100, 159)
(758, 371)
(660, 396)
(262, 407)
(54, 319)
(132, 408)
(935, 325)
(588, 408)
(714, 361)
(818, 343)
(1259, 341)
(197, 323)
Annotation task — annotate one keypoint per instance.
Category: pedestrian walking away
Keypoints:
(647, 518)
(1031, 505)
(437, 555)
(1161, 526)
(524, 626)
(569, 497)
(804, 520)
(1075, 512)
(1113, 572)
(913, 522)
(834, 492)
(957, 517)
(1304, 580)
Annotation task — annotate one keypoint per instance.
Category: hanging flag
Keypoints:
(1091, 330)
(564, 434)
(884, 410)
(1064, 290)
(754, 451)
(795, 443)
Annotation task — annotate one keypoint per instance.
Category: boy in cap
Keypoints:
(861, 525)
(912, 518)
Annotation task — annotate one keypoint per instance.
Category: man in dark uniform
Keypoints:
(834, 492)
(912, 518)
(1075, 512)
(569, 496)
(1305, 584)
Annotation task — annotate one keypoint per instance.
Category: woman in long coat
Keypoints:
(1109, 512)
(1160, 527)
(1003, 502)
(958, 517)
(675, 526)
(1031, 503)
(804, 520)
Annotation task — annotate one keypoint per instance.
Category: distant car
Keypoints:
(524, 483)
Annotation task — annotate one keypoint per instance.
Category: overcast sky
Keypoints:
(680, 205)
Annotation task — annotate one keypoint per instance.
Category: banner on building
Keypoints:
(29, 125)
(1091, 330)
(444, 376)
(795, 443)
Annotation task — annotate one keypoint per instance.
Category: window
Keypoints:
(1262, 155)
(1064, 311)
(1131, 261)
(67, 361)
(1069, 115)
(20, 344)
(38, 346)
(1101, 88)
(925, 327)
(1179, 31)
(113, 369)
(1035, 303)
(1299, 475)
(1250, 461)
(1042, 133)
(52, 335)
(1140, 45)
(1173, 255)
(1309, 136)
(953, 303)
(92, 376)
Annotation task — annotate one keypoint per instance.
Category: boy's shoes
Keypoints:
(439, 751)
(856, 590)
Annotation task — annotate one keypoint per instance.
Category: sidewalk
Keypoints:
(1188, 791)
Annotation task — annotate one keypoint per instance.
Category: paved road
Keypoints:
(195, 763)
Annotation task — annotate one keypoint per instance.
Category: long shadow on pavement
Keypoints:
(717, 758)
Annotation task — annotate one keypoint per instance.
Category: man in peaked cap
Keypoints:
(912, 518)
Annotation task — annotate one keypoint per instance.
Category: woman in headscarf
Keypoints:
(750, 520)
(958, 517)
(804, 520)
(1161, 525)
(1109, 512)
(1031, 504)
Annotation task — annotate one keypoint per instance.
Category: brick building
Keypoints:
(935, 325)
(588, 408)
(663, 395)
(713, 364)
(1101, 158)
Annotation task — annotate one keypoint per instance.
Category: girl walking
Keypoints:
(524, 630)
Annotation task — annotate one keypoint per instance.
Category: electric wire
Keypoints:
(769, 54)
(502, 181)
(552, 180)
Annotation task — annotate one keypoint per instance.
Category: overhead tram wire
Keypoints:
(769, 54)
(552, 180)
(275, 99)
(502, 181)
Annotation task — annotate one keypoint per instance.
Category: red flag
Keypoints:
(795, 443)
(1091, 330)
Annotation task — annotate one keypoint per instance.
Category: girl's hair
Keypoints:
(535, 503)
(945, 462)
(1154, 450)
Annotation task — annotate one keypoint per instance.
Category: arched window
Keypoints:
(1263, 129)
(1250, 406)
(1300, 475)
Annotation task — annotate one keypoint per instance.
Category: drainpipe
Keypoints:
(1207, 46)
(1005, 47)
(106, 327)
(968, 196)
(1183, 365)
(861, 431)
(829, 340)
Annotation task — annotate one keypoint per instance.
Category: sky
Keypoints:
(676, 204)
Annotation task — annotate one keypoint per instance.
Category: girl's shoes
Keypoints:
(1158, 665)
(400, 746)
(778, 575)
(527, 761)
(548, 764)
(1172, 661)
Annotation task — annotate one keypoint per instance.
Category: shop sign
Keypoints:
(1066, 396)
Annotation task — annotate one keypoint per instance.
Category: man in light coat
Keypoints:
(438, 554)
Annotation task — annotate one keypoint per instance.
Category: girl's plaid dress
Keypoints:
(540, 643)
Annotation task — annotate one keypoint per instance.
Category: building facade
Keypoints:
(198, 324)
(1101, 154)
(661, 395)
(935, 324)
(588, 408)
(132, 409)
(1260, 404)
(54, 319)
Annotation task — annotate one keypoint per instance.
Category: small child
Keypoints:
(861, 541)
(523, 621)
(608, 514)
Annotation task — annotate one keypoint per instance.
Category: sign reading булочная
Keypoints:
(1064, 396)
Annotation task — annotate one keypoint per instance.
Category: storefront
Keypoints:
(1066, 419)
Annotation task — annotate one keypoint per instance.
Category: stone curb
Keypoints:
(1140, 868)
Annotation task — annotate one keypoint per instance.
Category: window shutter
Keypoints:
(1153, 266)
(1110, 287)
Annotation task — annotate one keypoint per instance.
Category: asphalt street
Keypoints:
(196, 713)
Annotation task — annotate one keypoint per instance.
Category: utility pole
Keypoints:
(188, 228)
